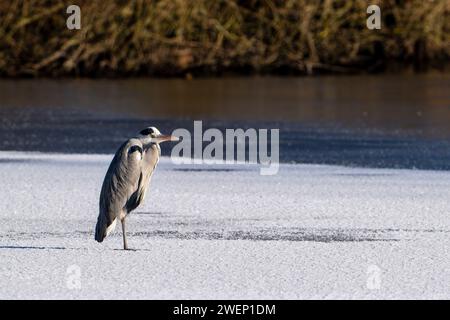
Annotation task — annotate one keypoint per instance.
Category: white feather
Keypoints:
(111, 227)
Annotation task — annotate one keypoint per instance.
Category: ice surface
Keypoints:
(219, 232)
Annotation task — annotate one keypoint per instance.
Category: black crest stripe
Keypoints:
(147, 131)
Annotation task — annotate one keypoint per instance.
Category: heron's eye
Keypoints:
(146, 132)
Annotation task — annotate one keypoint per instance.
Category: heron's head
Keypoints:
(153, 135)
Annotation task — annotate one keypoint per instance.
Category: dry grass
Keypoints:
(175, 37)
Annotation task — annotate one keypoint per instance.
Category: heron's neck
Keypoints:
(148, 142)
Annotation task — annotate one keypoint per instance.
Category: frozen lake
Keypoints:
(225, 232)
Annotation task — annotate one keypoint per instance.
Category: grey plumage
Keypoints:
(127, 180)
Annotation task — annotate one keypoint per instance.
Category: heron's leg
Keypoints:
(125, 247)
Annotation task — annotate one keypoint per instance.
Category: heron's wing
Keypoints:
(121, 182)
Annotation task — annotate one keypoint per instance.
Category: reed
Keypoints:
(213, 37)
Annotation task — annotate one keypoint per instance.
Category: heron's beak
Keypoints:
(162, 138)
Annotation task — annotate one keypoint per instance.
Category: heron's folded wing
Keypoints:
(122, 178)
(121, 181)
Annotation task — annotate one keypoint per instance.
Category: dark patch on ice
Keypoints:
(172, 217)
(368, 175)
(32, 247)
(207, 170)
(149, 213)
(314, 235)
(206, 230)
(292, 234)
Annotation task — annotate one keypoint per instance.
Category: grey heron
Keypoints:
(127, 180)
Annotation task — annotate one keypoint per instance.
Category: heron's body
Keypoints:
(126, 183)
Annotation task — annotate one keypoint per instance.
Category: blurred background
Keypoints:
(339, 92)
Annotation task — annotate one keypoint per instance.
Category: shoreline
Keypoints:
(11, 156)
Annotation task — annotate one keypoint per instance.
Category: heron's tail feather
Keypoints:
(102, 229)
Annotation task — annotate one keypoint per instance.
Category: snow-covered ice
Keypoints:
(225, 232)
